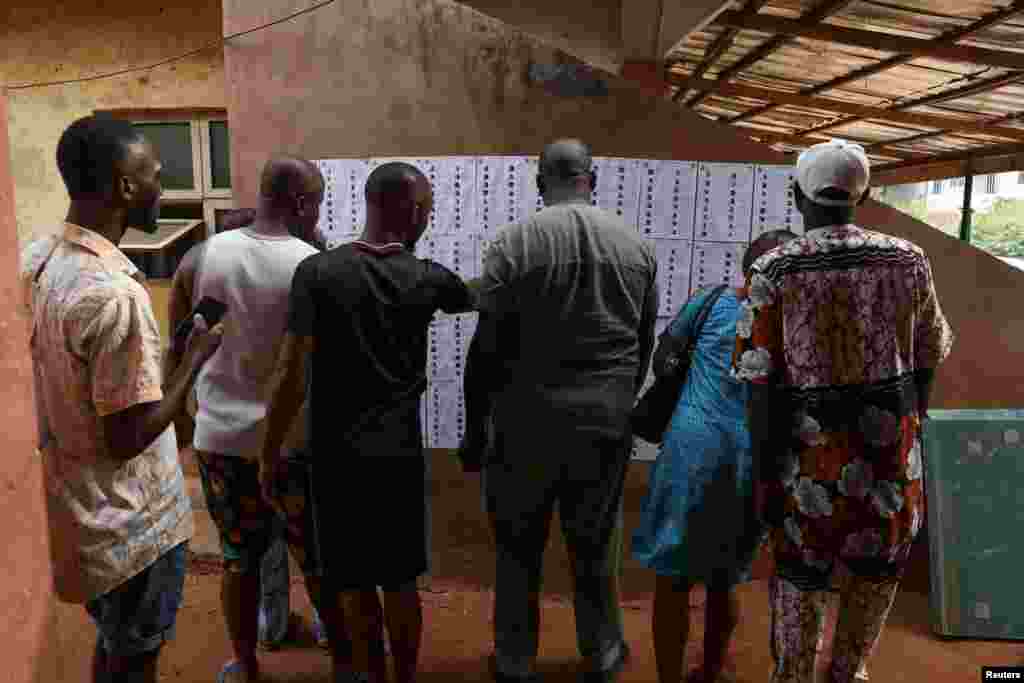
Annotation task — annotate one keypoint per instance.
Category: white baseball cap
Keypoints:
(837, 164)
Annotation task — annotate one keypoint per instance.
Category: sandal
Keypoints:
(231, 667)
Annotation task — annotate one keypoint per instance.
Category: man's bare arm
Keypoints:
(924, 380)
(180, 304)
(129, 432)
(286, 393)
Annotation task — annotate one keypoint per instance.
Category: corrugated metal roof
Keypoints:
(786, 70)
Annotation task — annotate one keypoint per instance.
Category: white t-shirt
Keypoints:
(252, 274)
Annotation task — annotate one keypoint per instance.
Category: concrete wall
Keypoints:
(587, 29)
(430, 77)
(425, 77)
(27, 602)
(46, 41)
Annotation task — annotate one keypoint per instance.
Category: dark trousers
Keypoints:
(586, 481)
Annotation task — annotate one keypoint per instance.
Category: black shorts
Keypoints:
(367, 525)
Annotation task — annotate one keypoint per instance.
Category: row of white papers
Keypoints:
(699, 217)
(442, 408)
(703, 202)
(683, 266)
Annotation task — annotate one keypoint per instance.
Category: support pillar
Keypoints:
(965, 218)
(26, 593)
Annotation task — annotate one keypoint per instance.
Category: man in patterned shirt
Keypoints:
(841, 335)
(120, 517)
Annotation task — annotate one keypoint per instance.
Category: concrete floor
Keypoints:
(458, 614)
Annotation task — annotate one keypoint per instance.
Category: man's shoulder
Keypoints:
(34, 253)
(299, 251)
(883, 240)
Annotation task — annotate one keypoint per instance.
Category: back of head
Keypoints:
(291, 191)
(89, 153)
(398, 202)
(285, 177)
(565, 160)
(764, 243)
(394, 181)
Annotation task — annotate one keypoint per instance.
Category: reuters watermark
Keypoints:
(1002, 673)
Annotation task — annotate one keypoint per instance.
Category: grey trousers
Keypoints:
(587, 485)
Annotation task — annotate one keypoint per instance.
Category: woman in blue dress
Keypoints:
(698, 524)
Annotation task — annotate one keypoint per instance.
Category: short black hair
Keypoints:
(566, 159)
(89, 151)
(764, 243)
(284, 176)
(392, 180)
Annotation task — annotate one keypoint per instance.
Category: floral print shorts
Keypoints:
(247, 524)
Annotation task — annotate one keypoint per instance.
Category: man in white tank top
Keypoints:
(249, 270)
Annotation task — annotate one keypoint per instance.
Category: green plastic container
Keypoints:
(974, 478)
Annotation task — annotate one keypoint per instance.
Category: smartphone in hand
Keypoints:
(212, 311)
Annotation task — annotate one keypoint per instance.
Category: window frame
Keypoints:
(203, 125)
(210, 208)
(183, 196)
(205, 196)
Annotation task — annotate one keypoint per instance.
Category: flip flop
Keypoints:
(229, 668)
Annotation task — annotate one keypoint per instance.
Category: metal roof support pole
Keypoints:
(965, 218)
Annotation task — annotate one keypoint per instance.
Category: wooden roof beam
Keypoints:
(947, 169)
(959, 155)
(778, 97)
(757, 54)
(980, 161)
(941, 133)
(952, 36)
(986, 85)
(722, 43)
(772, 138)
(874, 40)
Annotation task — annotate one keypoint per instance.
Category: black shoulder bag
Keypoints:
(672, 360)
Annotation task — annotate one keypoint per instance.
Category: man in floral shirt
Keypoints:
(840, 338)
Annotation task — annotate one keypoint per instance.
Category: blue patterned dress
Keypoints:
(698, 519)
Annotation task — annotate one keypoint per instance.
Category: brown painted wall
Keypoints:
(424, 77)
(981, 297)
(430, 77)
(46, 40)
(27, 603)
(590, 30)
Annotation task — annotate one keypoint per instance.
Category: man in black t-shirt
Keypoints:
(360, 315)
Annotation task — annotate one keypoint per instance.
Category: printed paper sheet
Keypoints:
(674, 266)
(774, 207)
(718, 264)
(725, 195)
(618, 187)
(668, 195)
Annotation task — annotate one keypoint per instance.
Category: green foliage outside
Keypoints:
(999, 231)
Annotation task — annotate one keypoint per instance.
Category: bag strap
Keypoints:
(673, 350)
(702, 316)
